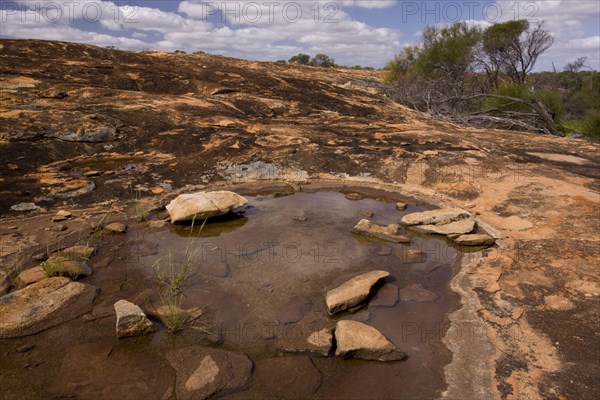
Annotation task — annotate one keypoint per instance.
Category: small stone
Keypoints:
(401, 206)
(411, 256)
(88, 317)
(299, 218)
(116, 227)
(368, 214)
(389, 233)
(475, 239)
(384, 251)
(202, 205)
(63, 213)
(357, 340)
(352, 292)
(131, 320)
(92, 173)
(42, 256)
(354, 196)
(22, 207)
(59, 228)
(25, 348)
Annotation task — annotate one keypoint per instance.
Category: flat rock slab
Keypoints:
(218, 269)
(101, 370)
(352, 292)
(452, 228)
(206, 372)
(357, 340)
(390, 233)
(294, 310)
(475, 239)
(435, 217)
(313, 334)
(131, 320)
(31, 275)
(288, 377)
(386, 296)
(418, 293)
(44, 304)
(202, 205)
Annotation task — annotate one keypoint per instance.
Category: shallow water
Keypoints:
(252, 270)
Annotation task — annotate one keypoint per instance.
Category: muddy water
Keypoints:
(253, 273)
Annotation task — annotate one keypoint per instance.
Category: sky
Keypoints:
(353, 32)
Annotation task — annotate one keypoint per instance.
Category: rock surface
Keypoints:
(475, 239)
(352, 292)
(357, 340)
(313, 334)
(59, 264)
(386, 296)
(31, 275)
(288, 377)
(389, 233)
(435, 217)
(451, 228)
(205, 372)
(131, 320)
(42, 305)
(416, 292)
(202, 205)
(116, 227)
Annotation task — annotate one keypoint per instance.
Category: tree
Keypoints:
(443, 76)
(512, 47)
(322, 60)
(302, 59)
(447, 52)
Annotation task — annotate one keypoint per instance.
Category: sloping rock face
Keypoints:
(351, 293)
(42, 305)
(203, 373)
(202, 205)
(357, 340)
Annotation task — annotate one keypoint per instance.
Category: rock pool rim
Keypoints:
(459, 346)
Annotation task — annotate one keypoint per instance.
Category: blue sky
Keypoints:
(365, 32)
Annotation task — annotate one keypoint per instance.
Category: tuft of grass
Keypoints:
(172, 276)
